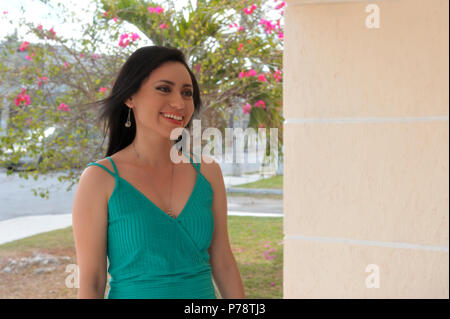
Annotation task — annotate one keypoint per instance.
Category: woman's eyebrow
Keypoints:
(170, 82)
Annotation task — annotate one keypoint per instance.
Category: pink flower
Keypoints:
(64, 107)
(65, 65)
(277, 75)
(281, 35)
(156, 10)
(81, 55)
(268, 25)
(266, 245)
(251, 73)
(22, 97)
(261, 126)
(5, 12)
(95, 56)
(115, 19)
(134, 36)
(163, 26)
(24, 46)
(197, 68)
(262, 78)
(40, 27)
(260, 102)
(249, 11)
(246, 108)
(103, 89)
(247, 74)
(41, 80)
(30, 58)
(281, 5)
(124, 41)
(52, 32)
(240, 47)
(240, 28)
(105, 13)
(272, 284)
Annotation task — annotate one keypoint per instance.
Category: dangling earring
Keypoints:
(128, 122)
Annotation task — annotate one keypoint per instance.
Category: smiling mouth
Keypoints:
(172, 120)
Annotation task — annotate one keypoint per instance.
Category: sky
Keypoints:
(39, 13)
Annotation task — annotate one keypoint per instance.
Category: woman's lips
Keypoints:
(173, 121)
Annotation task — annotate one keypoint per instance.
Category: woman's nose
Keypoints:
(177, 102)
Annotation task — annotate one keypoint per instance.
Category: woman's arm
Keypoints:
(223, 265)
(90, 222)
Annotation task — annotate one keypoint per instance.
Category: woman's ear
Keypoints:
(128, 103)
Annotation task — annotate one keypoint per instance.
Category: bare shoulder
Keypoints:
(97, 179)
(210, 169)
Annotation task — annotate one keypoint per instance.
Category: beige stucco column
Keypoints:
(366, 178)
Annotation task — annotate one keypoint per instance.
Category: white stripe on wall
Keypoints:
(293, 3)
(366, 119)
(367, 243)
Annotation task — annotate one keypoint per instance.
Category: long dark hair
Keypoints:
(113, 111)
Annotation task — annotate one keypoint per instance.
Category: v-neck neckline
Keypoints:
(156, 206)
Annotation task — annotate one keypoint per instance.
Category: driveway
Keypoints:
(18, 200)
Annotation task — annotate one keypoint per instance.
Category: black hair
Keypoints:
(136, 69)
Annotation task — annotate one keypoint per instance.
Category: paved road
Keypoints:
(17, 198)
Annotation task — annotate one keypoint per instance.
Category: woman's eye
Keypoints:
(163, 87)
(189, 93)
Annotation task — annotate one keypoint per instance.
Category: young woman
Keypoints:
(160, 223)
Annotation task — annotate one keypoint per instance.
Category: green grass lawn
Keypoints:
(256, 196)
(256, 243)
(269, 182)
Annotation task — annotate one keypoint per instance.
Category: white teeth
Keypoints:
(173, 117)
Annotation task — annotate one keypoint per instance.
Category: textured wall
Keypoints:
(366, 150)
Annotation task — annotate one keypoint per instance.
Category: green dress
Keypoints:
(152, 255)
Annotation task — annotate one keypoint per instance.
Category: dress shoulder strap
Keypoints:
(115, 174)
(197, 166)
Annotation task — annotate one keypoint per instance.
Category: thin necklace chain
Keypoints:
(170, 192)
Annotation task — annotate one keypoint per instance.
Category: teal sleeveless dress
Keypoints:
(152, 255)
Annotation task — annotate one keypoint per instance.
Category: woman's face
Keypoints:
(168, 90)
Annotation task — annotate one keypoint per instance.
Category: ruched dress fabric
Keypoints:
(152, 255)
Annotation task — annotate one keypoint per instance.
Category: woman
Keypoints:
(161, 223)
